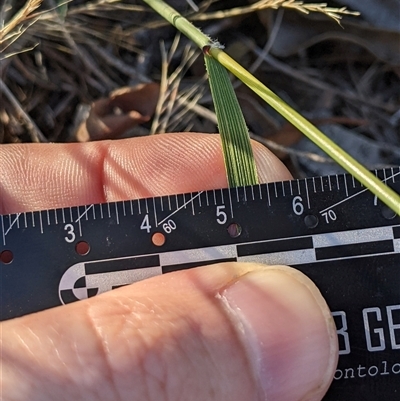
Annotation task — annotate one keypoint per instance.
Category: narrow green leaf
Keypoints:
(238, 154)
(377, 187)
(352, 166)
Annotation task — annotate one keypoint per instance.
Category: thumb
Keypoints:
(232, 331)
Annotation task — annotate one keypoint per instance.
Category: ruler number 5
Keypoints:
(221, 215)
(69, 228)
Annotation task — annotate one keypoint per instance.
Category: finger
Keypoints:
(232, 331)
(44, 176)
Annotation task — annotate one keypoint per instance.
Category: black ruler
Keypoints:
(330, 228)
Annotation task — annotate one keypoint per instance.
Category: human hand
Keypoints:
(232, 331)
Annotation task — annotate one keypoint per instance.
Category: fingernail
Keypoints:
(287, 331)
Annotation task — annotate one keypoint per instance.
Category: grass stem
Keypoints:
(376, 186)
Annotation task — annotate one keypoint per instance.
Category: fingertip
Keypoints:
(287, 330)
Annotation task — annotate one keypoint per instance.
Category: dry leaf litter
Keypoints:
(107, 69)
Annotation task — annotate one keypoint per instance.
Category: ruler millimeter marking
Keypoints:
(331, 228)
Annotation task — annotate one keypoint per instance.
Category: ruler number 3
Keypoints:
(69, 228)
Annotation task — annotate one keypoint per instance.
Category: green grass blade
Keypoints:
(378, 188)
(238, 154)
(369, 180)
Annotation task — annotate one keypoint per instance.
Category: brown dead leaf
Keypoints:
(123, 109)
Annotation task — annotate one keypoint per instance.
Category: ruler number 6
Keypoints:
(69, 228)
(297, 206)
(221, 215)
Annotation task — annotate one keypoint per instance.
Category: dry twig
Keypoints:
(332, 12)
(36, 134)
(29, 7)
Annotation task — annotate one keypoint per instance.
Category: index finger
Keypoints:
(45, 176)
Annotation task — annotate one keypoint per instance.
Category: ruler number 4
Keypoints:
(168, 227)
(146, 224)
(69, 228)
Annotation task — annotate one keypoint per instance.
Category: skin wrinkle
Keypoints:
(60, 359)
(215, 363)
(23, 367)
(24, 344)
(155, 369)
(213, 298)
(122, 171)
(158, 374)
(131, 319)
(165, 379)
(155, 374)
(113, 169)
(120, 180)
(129, 312)
(179, 385)
(40, 341)
(198, 326)
(204, 337)
(178, 388)
(104, 351)
(59, 377)
(241, 332)
(95, 163)
(104, 155)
